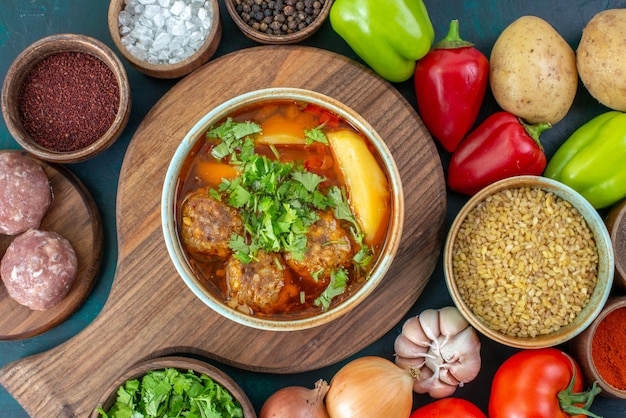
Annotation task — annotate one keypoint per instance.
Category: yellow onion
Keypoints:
(370, 386)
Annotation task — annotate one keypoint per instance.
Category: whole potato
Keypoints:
(533, 71)
(600, 58)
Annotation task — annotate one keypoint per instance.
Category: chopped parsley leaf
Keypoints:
(315, 135)
(232, 135)
(279, 201)
(172, 393)
(337, 285)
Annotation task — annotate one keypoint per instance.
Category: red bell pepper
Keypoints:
(450, 84)
(500, 147)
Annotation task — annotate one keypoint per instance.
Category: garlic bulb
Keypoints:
(441, 349)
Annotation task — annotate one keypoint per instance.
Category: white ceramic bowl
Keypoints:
(177, 254)
(603, 284)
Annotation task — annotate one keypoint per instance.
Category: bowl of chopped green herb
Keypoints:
(282, 209)
(174, 386)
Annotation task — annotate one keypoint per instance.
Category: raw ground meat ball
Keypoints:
(207, 224)
(25, 193)
(39, 268)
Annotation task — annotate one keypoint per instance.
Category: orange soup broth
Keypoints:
(202, 170)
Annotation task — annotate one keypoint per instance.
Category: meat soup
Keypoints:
(282, 209)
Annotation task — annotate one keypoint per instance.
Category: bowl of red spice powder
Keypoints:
(601, 349)
(66, 98)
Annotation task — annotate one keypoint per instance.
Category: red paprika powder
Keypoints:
(608, 348)
(68, 100)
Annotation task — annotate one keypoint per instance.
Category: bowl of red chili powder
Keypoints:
(66, 98)
(601, 349)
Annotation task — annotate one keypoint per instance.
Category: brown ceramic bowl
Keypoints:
(581, 349)
(182, 364)
(616, 224)
(24, 64)
(598, 296)
(289, 38)
(174, 70)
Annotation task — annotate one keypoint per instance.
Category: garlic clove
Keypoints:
(409, 363)
(406, 348)
(441, 390)
(429, 320)
(461, 347)
(431, 384)
(451, 322)
(464, 372)
(412, 330)
(446, 376)
(463, 355)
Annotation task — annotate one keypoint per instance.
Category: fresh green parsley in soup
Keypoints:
(283, 209)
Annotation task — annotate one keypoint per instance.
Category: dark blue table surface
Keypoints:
(25, 21)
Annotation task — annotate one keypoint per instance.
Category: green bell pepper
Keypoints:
(390, 36)
(592, 160)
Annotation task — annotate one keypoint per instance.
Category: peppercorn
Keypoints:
(278, 17)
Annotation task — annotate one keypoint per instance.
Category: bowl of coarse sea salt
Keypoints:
(165, 38)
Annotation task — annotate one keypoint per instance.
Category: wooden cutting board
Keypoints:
(151, 312)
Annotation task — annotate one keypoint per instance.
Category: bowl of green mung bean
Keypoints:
(529, 262)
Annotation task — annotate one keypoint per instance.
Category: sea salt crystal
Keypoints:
(152, 10)
(159, 20)
(164, 31)
(124, 30)
(176, 42)
(202, 13)
(125, 18)
(195, 37)
(161, 41)
(176, 27)
(177, 8)
(186, 13)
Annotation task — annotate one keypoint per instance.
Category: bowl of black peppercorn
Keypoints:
(66, 98)
(278, 22)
